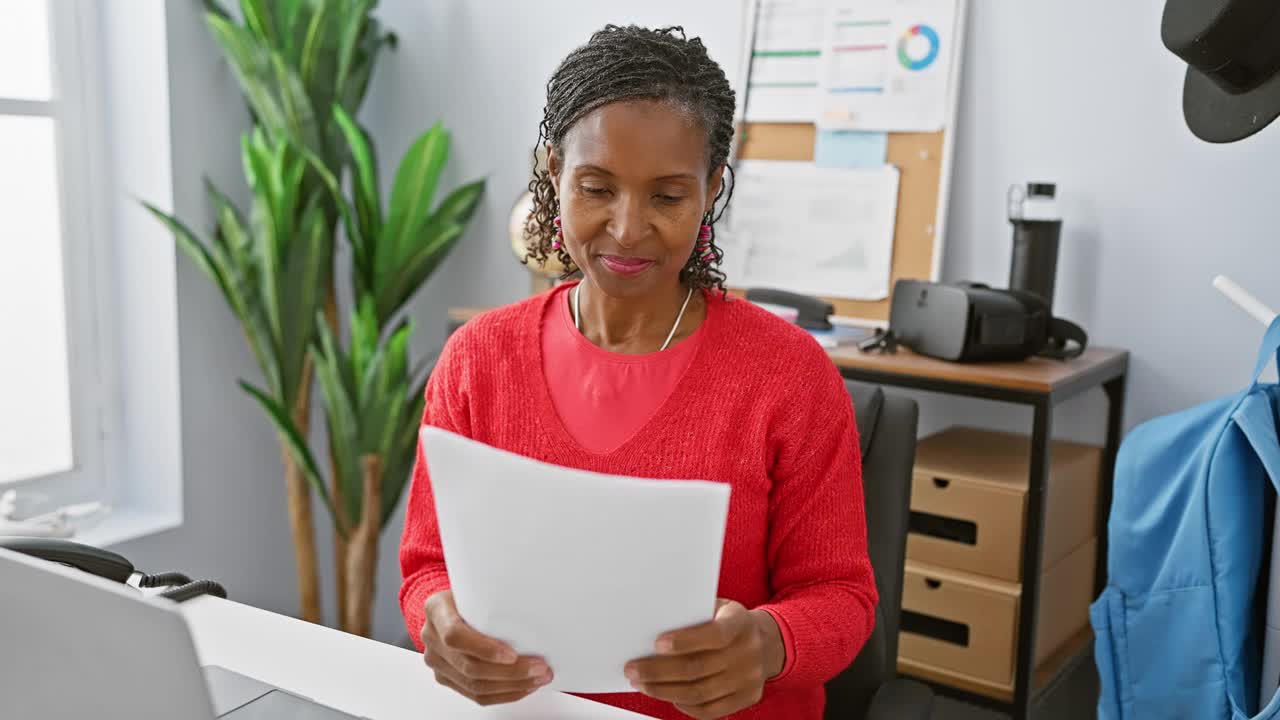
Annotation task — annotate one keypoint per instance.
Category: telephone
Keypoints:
(96, 561)
(109, 565)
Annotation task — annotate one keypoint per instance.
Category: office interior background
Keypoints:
(1081, 94)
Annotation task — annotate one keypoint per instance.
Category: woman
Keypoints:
(646, 368)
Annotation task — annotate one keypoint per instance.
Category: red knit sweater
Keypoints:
(761, 407)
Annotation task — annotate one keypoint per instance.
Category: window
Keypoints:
(51, 422)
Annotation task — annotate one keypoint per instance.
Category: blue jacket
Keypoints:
(1179, 625)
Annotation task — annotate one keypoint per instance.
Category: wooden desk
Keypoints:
(1041, 384)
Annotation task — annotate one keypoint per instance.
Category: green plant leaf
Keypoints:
(300, 116)
(251, 62)
(317, 63)
(298, 447)
(234, 256)
(416, 178)
(192, 247)
(364, 340)
(341, 418)
(351, 92)
(357, 24)
(258, 19)
(266, 220)
(416, 269)
(398, 463)
(365, 162)
(461, 204)
(303, 286)
(411, 201)
(215, 8)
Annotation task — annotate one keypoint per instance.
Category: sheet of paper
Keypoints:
(820, 231)
(585, 570)
(785, 60)
(850, 148)
(886, 64)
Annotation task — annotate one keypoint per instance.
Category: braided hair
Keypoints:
(626, 63)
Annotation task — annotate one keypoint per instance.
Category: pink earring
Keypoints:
(558, 242)
(704, 242)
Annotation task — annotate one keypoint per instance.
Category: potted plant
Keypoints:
(304, 68)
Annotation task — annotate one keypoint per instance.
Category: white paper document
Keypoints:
(820, 231)
(886, 64)
(582, 569)
(785, 60)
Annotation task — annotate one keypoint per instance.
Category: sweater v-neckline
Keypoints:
(535, 378)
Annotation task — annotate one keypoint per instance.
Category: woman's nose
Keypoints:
(630, 221)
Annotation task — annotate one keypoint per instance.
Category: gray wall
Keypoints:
(235, 526)
(1078, 93)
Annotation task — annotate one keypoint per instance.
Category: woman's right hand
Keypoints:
(483, 669)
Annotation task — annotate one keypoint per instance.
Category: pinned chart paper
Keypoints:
(819, 231)
(582, 569)
(886, 65)
(785, 61)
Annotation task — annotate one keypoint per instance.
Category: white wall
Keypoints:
(1079, 93)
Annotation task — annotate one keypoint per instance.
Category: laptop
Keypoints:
(74, 646)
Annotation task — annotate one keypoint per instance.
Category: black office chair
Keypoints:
(870, 688)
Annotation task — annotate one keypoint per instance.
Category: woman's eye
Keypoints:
(592, 190)
(672, 199)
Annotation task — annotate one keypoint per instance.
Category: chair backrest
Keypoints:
(887, 439)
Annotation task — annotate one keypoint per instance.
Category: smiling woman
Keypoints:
(647, 368)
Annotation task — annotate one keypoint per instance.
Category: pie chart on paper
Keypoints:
(918, 47)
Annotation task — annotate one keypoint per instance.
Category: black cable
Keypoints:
(190, 590)
(162, 579)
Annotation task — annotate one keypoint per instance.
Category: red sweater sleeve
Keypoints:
(421, 556)
(824, 591)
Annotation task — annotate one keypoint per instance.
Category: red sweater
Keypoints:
(761, 407)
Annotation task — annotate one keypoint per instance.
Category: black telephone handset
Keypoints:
(813, 313)
(106, 564)
(102, 563)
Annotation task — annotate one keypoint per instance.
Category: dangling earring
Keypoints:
(559, 241)
(704, 242)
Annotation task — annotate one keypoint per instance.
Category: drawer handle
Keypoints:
(932, 584)
(941, 483)
(946, 631)
(943, 528)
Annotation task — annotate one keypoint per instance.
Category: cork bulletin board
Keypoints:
(923, 161)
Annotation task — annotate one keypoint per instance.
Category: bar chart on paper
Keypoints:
(785, 61)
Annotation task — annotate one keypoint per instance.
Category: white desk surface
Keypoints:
(353, 674)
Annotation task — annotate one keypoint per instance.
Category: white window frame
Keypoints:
(112, 118)
(71, 42)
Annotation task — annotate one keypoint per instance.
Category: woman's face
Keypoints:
(633, 185)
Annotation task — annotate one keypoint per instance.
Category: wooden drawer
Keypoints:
(969, 500)
(962, 629)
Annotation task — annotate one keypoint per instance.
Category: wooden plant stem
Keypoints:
(340, 545)
(362, 553)
(335, 487)
(301, 524)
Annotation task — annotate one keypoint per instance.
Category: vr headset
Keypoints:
(969, 322)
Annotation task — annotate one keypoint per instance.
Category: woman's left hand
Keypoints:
(716, 669)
